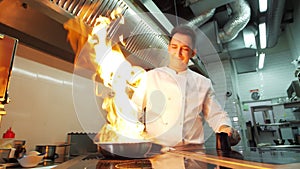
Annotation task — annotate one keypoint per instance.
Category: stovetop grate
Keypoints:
(115, 163)
(94, 157)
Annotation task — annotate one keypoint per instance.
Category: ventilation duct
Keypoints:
(201, 19)
(90, 10)
(240, 18)
(274, 18)
(139, 35)
(199, 7)
(244, 40)
(243, 50)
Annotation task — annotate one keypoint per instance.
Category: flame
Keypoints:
(115, 73)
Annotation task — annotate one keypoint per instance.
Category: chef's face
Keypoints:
(180, 50)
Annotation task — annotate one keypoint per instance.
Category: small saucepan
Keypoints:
(48, 150)
(125, 150)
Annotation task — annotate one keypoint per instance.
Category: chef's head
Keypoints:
(181, 47)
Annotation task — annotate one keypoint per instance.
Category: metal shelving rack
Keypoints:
(293, 124)
(255, 109)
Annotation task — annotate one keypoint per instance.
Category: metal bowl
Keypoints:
(30, 161)
(125, 150)
(279, 141)
(292, 141)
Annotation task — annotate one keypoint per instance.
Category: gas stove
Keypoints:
(98, 161)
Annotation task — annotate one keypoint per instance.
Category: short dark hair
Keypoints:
(186, 30)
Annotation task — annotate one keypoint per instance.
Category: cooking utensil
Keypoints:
(48, 150)
(20, 149)
(4, 154)
(292, 141)
(222, 142)
(30, 161)
(125, 150)
(297, 139)
(279, 141)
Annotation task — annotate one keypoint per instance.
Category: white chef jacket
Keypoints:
(173, 104)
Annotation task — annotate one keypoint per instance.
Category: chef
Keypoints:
(176, 100)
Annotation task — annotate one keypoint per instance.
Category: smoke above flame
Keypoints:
(114, 77)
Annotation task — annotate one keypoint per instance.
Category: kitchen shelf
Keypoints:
(275, 124)
(295, 104)
(270, 131)
(285, 146)
(296, 110)
(260, 108)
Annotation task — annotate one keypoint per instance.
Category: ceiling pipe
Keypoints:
(240, 18)
(201, 19)
(274, 18)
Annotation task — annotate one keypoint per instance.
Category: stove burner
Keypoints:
(94, 157)
(121, 164)
(142, 164)
(118, 163)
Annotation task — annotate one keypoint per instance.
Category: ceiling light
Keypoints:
(262, 35)
(235, 119)
(261, 60)
(263, 5)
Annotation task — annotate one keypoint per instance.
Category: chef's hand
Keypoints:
(233, 134)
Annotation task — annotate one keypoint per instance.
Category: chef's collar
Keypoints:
(179, 73)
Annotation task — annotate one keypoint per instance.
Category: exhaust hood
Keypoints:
(40, 24)
(35, 29)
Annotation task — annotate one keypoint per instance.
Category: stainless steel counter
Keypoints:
(197, 158)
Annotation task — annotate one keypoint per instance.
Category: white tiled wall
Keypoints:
(42, 108)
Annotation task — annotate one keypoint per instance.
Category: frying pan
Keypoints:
(125, 150)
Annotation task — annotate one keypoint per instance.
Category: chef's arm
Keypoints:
(213, 112)
(217, 118)
(225, 129)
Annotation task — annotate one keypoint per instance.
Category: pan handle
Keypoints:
(144, 119)
(63, 145)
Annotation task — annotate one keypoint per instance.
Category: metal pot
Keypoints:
(125, 150)
(298, 139)
(48, 150)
